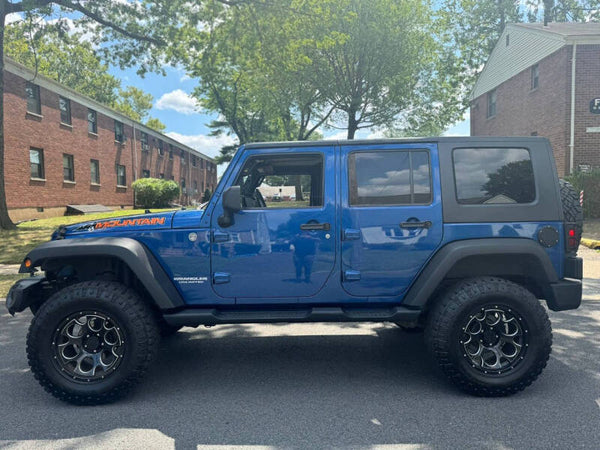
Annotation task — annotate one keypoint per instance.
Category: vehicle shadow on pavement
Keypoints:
(314, 386)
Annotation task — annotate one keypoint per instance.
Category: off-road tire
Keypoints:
(572, 210)
(138, 327)
(444, 331)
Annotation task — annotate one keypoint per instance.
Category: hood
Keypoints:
(141, 222)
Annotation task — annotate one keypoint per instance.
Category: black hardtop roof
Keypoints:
(465, 140)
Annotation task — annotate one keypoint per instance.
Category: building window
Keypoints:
(94, 171)
(92, 121)
(121, 176)
(194, 161)
(170, 151)
(68, 168)
(388, 178)
(36, 162)
(64, 104)
(119, 134)
(535, 76)
(201, 163)
(161, 176)
(195, 187)
(34, 105)
(161, 149)
(183, 185)
(172, 178)
(144, 141)
(145, 173)
(491, 104)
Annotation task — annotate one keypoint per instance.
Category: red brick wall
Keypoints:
(24, 131)
(521, 111)
(587, 145)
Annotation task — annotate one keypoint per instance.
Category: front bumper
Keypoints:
(565, 294)
(23, 294)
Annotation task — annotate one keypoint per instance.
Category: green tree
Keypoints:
(64, 57)
(156, 124)
(251, 72)
(134, 103)
(384, 66)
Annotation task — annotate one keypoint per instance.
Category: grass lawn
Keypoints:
(16, 243)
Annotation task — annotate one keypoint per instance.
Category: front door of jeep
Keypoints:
(281, 245)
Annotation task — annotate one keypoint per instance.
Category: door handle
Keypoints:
(315, 226)
(426, 224)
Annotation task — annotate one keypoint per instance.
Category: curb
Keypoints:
(591, 243)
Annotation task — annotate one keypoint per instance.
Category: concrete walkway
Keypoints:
(9, 269)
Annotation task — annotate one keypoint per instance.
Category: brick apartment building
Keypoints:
(544, 81)
(62, 148)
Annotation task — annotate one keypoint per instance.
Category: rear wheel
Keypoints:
(490, 336)
(91, 342)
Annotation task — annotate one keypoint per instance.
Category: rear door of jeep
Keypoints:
(391, 215)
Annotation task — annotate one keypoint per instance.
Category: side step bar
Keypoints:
(193, 317)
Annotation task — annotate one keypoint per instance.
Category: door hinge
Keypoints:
(351, 275)
(351, 235)
(219, 236)
(221, 278)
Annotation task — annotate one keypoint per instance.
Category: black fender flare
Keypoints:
(522, 252)
(133, 253)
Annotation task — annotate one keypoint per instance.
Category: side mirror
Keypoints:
(232, 203)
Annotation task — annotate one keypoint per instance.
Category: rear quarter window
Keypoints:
(485, 176)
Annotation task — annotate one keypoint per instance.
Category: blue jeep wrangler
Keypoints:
(460, 237)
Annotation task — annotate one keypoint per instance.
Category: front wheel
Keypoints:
(91, 342)
(490, 336)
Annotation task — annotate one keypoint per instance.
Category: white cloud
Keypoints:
(209, 145)
(179, 101)
(12, 18)
(340, 135)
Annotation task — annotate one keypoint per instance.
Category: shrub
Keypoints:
(154, 193)
(589, 183)
(206, 196)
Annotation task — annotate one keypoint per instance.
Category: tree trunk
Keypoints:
(548, 7)
(296, 180)
(352, 124)
(5, 222)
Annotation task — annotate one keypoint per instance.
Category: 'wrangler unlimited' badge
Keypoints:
(130, 222)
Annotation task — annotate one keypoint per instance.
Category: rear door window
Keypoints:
(389, 178)
(486, 176)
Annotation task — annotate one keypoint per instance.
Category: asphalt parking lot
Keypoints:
(312, 386)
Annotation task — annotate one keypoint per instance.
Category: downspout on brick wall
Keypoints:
(133, 142)
(572, 131)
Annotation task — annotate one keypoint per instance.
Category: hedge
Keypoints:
(154, 193)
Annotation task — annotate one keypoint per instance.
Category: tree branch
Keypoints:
(96, 17)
